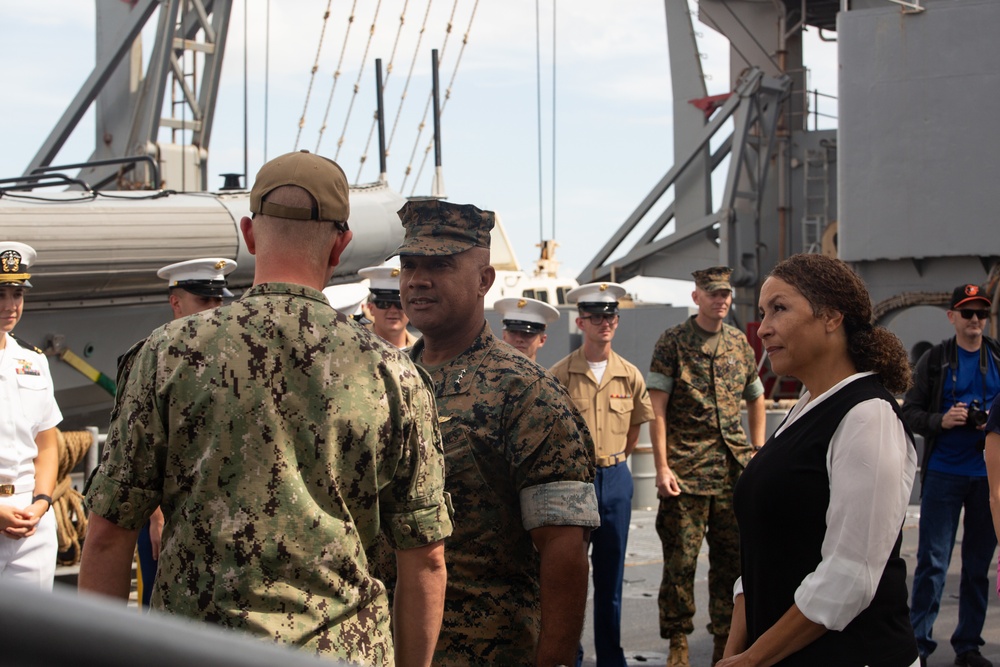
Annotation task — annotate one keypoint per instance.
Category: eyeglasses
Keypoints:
(967, 313)
(598, 319)
(386, 304)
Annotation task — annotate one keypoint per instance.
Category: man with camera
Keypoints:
(954, 383)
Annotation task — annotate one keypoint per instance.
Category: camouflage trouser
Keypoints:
(682, 522)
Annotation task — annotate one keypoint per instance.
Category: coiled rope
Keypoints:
(67, 502)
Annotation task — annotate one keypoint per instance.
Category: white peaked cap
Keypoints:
(596, 293)
(381, 278)
(206, 268)
(524, 314)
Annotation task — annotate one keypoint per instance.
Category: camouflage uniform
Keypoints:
(706, 450)
(279, 439)
(518, 457)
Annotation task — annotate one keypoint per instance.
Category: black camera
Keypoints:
(976, 417)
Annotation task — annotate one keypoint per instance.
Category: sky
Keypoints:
(602, 73)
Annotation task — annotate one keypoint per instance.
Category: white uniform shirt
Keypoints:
(27, 407)
(871, 465)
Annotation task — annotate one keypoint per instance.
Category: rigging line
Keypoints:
(357, 83)
(447, 92)
(178, 29)
(409, 77)
(430, 98)
(267, 83)
(538, 113)
(553, 119)
(336, 73)
(385, 83)
(246, 132)
(312, 75)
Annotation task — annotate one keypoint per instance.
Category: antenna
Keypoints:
(381, 120)
(437, 189)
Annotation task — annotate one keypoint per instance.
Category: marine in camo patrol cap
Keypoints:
(436, 227)
(713, 278)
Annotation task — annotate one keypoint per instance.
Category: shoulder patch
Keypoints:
(26, 345)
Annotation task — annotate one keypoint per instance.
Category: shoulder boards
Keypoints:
(26, 345)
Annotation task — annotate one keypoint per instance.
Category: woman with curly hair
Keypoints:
(821, 506)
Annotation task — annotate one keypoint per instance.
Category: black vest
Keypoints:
(781, 501)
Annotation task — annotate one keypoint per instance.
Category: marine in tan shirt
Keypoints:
(611, 395)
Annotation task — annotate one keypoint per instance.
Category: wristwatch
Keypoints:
(42, 496)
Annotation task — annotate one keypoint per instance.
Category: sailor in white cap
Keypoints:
(28, 417)
(197, 284)
(611, 394)
(388, 319)
(524, 322)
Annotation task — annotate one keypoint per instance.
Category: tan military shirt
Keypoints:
(707, 382)
(611, 408)
(280, 440)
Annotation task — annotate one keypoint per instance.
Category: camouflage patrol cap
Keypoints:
(435, 227)
(714, 278)
(319, 176)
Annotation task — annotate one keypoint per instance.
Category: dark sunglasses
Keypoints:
(597, 319)
(967, 313)
(386, 304)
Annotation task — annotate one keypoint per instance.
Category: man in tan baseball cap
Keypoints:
(259, 402)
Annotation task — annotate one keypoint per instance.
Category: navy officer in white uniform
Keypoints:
(29, 454)
(524, 322)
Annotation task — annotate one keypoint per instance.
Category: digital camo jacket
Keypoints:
(709, 383)
(279, 438)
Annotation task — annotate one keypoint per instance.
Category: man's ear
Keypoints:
(339, 245)
(175, 304)
(487, 276)
(246, 227)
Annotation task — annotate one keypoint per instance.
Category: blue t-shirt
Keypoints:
(993, 423)
(958, 451)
